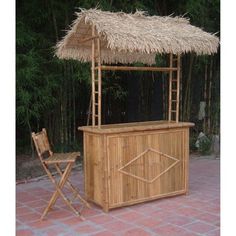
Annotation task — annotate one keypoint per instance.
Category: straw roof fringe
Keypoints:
(128, 38)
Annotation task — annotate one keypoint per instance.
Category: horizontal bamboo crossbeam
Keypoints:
(137, 68)
(84, 40)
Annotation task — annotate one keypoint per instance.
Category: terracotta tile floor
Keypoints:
(195, 214)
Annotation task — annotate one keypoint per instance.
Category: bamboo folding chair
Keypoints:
(47, 157)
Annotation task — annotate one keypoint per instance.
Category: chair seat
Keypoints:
(62, 158)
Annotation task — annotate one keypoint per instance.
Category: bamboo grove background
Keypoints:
(55, 94)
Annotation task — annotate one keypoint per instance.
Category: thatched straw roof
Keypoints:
(128, 38)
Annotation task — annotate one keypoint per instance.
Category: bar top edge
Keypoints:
(135, 126)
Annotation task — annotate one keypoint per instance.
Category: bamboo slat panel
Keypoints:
(124, 168)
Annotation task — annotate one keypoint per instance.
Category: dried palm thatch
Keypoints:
(128, 38)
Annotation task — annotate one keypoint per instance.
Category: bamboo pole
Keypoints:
(99, 81)
(170, 88)
(84, 40)
(180, 90)
(137, 68)
(178, 85)
(93, 76)
(89, 110)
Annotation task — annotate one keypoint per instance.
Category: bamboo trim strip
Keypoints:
(171, 166)
(143, 153)
(137, 68)
(163, 154)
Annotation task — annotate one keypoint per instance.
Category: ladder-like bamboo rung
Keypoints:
(96, 104)
(174, 90)
(173, 111)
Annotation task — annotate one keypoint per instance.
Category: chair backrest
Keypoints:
(42, 144)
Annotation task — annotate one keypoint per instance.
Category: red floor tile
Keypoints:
(172, 230)
(59, 214)
(136, 232)
(149, 222)
(116, 226)
(104, 233)
(24, 232)
(188, 211)
(132, 215)
(23, 210)
(72, 221)
(101, 219)
(200, 227)
(90, 212)
(180, 220)
(29, 217)
(37, 203)
(85, 229)
(40, 224)
(207, 217)
(53, 231)
(214, 233)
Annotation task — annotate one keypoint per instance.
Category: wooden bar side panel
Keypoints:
(93, 163)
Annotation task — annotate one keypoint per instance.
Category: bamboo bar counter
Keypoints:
(130, 163)
(135, 162)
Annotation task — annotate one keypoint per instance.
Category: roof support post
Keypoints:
(178, 88)
(170, 88)
(93, 76)
(96, 80)
(99, 81)
(174, 87)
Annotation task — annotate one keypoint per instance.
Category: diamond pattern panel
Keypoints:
(149, 165)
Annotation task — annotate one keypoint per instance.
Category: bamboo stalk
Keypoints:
(181, 91)
(178, 85)
(99, 81)
(170, 87)
(209, 99)
(89, 110)
(205, 96)
(93, 77)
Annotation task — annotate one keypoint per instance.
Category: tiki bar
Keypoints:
(130, 163)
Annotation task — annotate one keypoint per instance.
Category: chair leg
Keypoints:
(58, 191)
(75, 191)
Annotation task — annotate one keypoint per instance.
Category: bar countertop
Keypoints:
(135, 126)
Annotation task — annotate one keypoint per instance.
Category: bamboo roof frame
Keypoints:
(128, 38)
(107, 37)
